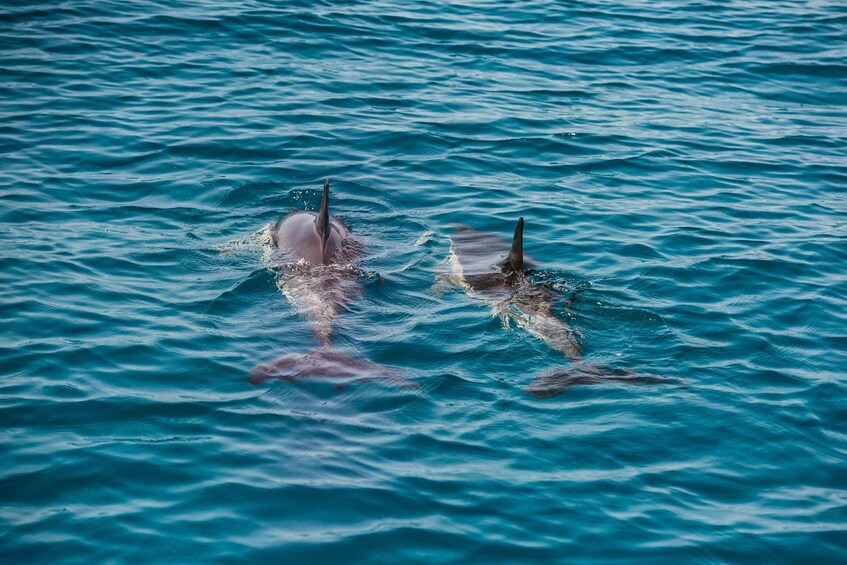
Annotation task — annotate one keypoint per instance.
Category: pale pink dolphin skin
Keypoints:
(319, 239)
(317, 253)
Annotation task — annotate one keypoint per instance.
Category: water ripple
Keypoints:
(681, 170)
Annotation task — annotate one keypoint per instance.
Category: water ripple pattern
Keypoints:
(681, 167)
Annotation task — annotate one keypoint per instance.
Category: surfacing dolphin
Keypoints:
(486, 268)
(317, 254)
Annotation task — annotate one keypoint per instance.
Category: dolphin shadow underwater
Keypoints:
(317, 254)
(488, 269)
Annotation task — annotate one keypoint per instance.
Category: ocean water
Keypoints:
(682, 169)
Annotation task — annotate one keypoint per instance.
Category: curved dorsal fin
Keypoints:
(514, 263)
(322, 223)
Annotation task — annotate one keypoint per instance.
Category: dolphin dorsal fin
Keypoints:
(514, 263)
(322, 223)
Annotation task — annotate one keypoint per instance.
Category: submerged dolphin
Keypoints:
(486, 268)
(317, 254)
(556, 381)
(322, 362)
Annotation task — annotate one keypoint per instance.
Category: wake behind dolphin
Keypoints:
(317, 255)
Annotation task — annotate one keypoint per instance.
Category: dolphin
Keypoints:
(317, 254)
(556, 381)
(485, 267)
(489, 269)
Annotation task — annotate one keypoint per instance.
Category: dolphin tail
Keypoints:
(325, 363)
(322, 223)
(514, 263)
(557, 381)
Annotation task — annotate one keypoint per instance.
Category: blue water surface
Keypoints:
(682, 164)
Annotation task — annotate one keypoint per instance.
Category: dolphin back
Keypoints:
(318, 239)
(485, 259)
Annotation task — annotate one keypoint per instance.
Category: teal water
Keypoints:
(682, 164)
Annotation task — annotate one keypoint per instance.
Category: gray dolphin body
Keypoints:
(317, 253)
(486, 268)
